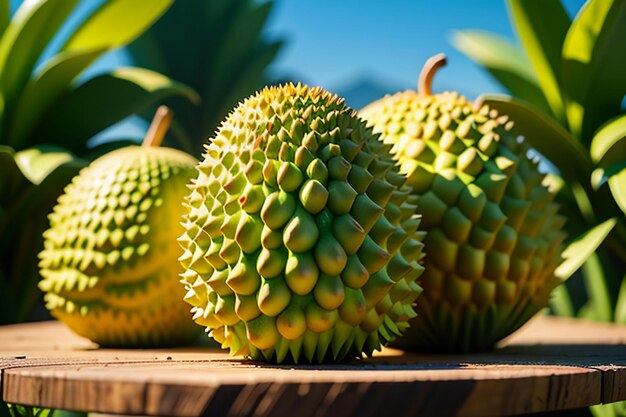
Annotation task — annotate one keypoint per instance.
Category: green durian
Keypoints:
(110, 260)
(493, 232)
(301, 239)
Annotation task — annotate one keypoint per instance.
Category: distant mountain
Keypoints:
(364, 90)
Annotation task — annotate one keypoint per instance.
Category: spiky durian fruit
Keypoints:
(109, 264)
(301, 239)
(493, 232)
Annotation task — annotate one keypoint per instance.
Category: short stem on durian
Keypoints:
(428, 73)
(158, 127)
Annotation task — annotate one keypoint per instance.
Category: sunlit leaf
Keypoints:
(561, 301)
(542, 26)
(120, 93)
(42, 91)
(35, 23)
(30, 411)
(593, 66)
(620, 305)
(617, 184)
(505, 61)
(609, 143)
(596, 278)
(581, 248)
(598, 178)
(115, 23)
(39, 161)
(5, 15)
(546, 136)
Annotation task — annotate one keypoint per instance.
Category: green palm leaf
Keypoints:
(116, 23)
(593, 69)
(121, 93)
(609, 143)
(5, 15)
(582, 247)
(546, 136)
(26, 37)
(505, 61)
(217, 48)
(542, 26)
(42, 91)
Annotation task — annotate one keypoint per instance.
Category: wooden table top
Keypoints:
(550, 364)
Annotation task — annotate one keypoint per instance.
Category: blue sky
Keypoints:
(331, 42)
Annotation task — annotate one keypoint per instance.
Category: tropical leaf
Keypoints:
(35, 23)
(245, 30)
(116, 23)
(577, 53)
(30, 411)
(598, 178)
(546, 136)
(249, 75)
(561, 302)
(5, 15)
(217, 48)
(579, 250)
(609, 143)
(593, 69)
(150, 53)
(31, 198)
(541, 27)
(121, 93)
(597, 284)
(620, 305)
(38, 162)
(505, 61)
(42, 91)
(617, 184)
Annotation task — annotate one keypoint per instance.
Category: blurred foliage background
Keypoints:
(224, 59)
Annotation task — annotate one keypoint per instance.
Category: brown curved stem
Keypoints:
(158, 127)
(428, 72)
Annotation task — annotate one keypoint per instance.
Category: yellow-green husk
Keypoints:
(493, 232)
(109, 264)
(301, 240)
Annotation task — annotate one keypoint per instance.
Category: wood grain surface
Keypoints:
(550, 364)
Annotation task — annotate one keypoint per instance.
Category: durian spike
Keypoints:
(428, 72)
(158, 127)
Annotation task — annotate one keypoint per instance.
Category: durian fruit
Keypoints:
(493, 232)
(301, 240)
(110, 260)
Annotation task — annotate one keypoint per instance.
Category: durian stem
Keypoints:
(158, 127)
(428, 72)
